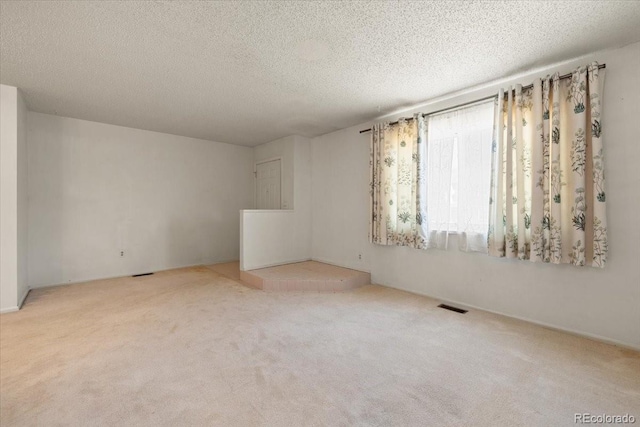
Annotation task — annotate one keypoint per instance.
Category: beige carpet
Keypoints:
(193, 347)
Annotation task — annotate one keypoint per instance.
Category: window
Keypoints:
(458, 175)
(446, 180)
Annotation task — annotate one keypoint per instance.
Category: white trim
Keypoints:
(9, 309)
(270, 159)
(525, 319)
(16, 307)
(75, 282)
(267, 210)
(255, 179)
(338, 264)
(24, 297)
(221, 262)
(454, 302)
(241, 245)
(275, 264)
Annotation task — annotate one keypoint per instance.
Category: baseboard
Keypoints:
(17, 307)
(24, 297)
(338, 264)
(590, 336)
(259, 266)
(74, 282)
(224, 262)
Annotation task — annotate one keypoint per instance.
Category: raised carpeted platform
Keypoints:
(194, 347)
(308, 276)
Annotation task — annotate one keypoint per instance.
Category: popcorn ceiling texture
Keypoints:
(251, 72)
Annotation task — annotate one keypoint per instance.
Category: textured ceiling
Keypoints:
(251, 72)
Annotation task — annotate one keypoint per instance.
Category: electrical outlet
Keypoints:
(359, 256)
(121, 253)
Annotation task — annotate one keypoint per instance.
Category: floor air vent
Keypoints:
(456, 309)
(143, 274)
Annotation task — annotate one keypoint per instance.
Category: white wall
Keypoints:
(96, 189)
(272, 237)
(340, 188)
(302, 195)
(283, 149)
(599, 303)
(13, 199)
(8, 198)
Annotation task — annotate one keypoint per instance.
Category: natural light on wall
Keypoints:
(458, 174)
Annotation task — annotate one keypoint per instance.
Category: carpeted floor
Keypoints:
(194, 347)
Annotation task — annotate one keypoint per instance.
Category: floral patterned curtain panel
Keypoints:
(398, 183)
(548, 201)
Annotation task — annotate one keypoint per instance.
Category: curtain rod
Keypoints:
(464, 104)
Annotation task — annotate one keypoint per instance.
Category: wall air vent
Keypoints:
(456, 309)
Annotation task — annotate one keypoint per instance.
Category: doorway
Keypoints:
(268, 185)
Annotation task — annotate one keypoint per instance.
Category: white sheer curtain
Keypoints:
(458, 176)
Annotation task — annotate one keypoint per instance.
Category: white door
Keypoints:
(268, 185)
